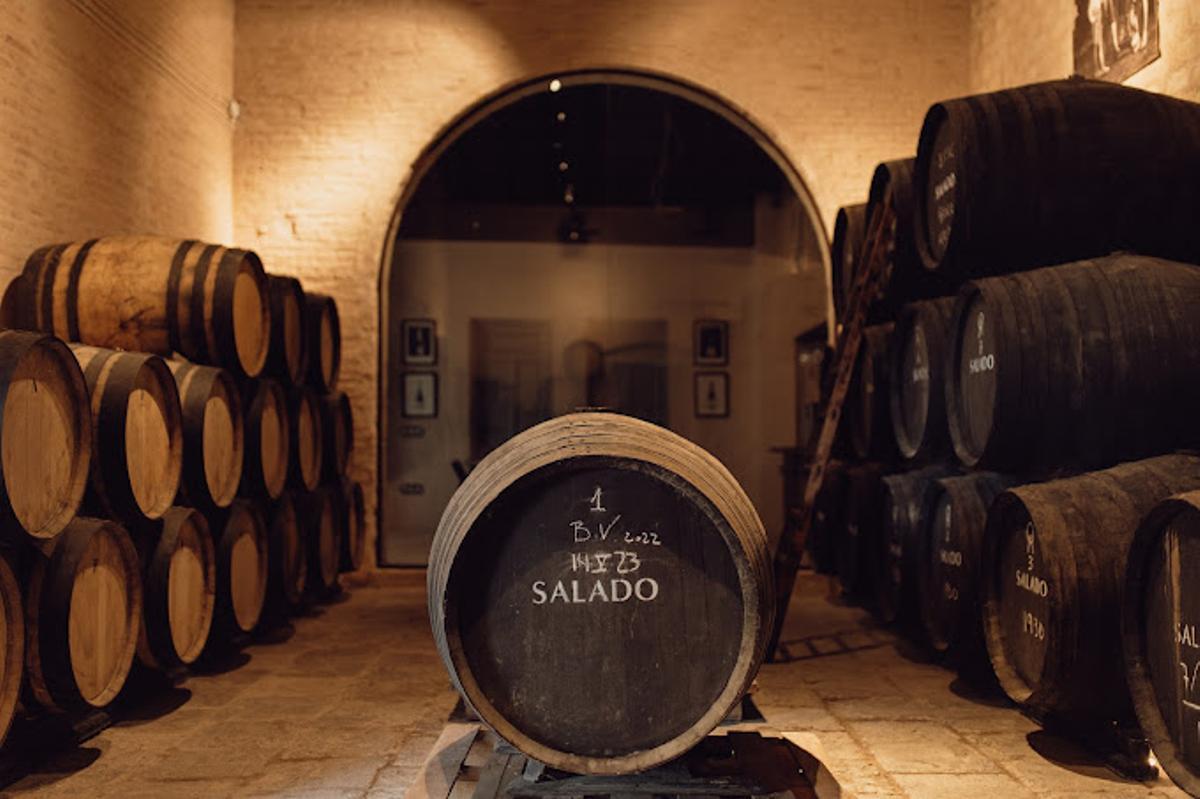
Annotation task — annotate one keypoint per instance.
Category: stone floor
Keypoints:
(351, 704)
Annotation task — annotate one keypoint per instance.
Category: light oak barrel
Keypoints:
(337, 427)
(288, 547)
(45, 436)
(137, 424)
(12, 644)
(324, 341)
(83, 614)
(240, 537)
(268, 440)
(535, 619)
(325, 528)
(287, 359)
(354, 542)
(213, 435)
(160, 295)
(307, 437)
(179, 582)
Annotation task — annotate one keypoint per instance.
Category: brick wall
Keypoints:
(113, 119)
(339, 97)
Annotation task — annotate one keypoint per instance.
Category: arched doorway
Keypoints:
(594, 238)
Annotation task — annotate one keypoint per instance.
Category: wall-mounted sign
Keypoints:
(419, 395)
(711, 345)
(712, 395)
(420, 342)
(1115, 38)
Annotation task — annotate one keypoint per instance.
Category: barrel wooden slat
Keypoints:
(907, 503)
(337, 428)
(213, 435)
(1161, 647)
(916, 393)
(287, 359)
(1084, 364)
(158, 295)
(322, 514)
(241, 544)
(268, 440)
(867, 413)
(849, 229)
(288, 552)
(952, 568)
(1055, 567)
(688, 610)
(307, 438)
(179, 579)
(324, 341)
(45, 435)
(1024, 177)
(83, 610)
(12, 644)
(137, 449)
(857, 549)
(354, 542)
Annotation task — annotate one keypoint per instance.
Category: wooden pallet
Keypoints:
(750, 761)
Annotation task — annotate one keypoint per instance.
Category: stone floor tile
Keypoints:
(916, 747)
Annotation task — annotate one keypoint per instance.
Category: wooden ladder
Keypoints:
(872, 260)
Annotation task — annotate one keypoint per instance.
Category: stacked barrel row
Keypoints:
(1014, 486)
(173, 463)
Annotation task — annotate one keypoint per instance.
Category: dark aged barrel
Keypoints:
(83, 609)
(1055, 567)
(904, 278)
(179, 581)
(586, 549)
(268, 440)
(287, 358)
(1084, 364)
(950, 571)
(849, 228)
(867, 413)
(213, 435)
(1159, 620)
(137, 450)
(304, 425)
(354, 541)
(288, 549)
(857, 548)
(903, 543)
(12, 645)
(324, 342)
(204, 301)
(240, 535)
(45, 435)
(916, 398)
(325, 529)
(1056, 172)
(337, 427)
(829, 519)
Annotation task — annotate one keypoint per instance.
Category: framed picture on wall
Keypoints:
(712, 395)
(711, 342)
(420, 395)
(1115, 38)
(420, 342)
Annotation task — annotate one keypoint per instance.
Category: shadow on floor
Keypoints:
(1069, 755)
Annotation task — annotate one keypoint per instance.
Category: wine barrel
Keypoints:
(137, 450)
(916, 397)
(1054, 556)
(585, 549)
(866, 411)
(179, 580)
(204, 301)
(903, 543)
(242, 554)
(829, 519)
(1159, 613)
(268, 440)
(322, 512)
(1056, 172)
(857, 548)
(12, 645)
(849, 229)
(287, 358)
(45, 435)
(337, 428)
(324, 341)
(354, 541)
(949, 573)
(213, 435)
(83, 609)
(1084, 364)
(288, 550)
(304, 427)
